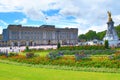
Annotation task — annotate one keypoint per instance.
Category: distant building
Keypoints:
(18, 35)
(95, 42)
(92, 42)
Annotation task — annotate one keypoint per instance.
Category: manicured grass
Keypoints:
(118, 48)
(41, 53)
(15, 72)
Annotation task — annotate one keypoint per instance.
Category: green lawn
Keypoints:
(118, 48)
(15, 72)
(41, 53)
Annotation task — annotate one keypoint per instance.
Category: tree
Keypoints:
(90, 35)
(117, 28)
(82, 37)
(27, 49)
(58, 45)
(101, 35)
(106, 44)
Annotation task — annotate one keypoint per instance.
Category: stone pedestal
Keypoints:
(111, 34)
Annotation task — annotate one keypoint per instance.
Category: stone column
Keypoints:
(27, 43)
(18, 43)
(44, 35)
(53, 35)
(12, 44)
(33, 43)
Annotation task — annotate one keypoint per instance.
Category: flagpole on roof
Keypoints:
(46, 20)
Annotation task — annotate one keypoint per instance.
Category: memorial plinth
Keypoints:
(111, 34)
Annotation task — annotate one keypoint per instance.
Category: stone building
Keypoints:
(18, 35)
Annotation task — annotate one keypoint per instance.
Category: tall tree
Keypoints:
(82, 37)
(101, 35)
(117, 28)
(91, 35)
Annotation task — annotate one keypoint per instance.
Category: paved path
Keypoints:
(19, 49)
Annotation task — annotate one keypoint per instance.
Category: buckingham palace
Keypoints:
(18, 35)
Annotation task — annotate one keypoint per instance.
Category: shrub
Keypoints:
(111, 57)
(117, 56)
(58, 45)
(86, 47)
(68, 61)
(91, 52)
(106, 44)
(54, 56)
(13, 54)
(1, 54)
(4, 54)
(34, 50)
(60, 53)
(27, 49)
(29, 55)
(80, 56)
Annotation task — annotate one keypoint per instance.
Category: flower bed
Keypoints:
(86, 47)
(82, 61)
(90, 52)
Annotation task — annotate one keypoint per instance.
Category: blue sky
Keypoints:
(82, 14)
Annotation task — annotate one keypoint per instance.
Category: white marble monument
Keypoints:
(111, 34)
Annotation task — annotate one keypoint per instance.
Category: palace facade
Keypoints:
(18, 35)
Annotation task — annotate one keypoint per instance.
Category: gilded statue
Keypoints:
(109, 16)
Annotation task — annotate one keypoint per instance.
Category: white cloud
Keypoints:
(3, 22)
(89, 14)
(98, 28)
(34, 14)
(16, 21)
(70, 11)
(81, 21)
(116, 19)
(32, 8)
(23, 21)
(0, 29)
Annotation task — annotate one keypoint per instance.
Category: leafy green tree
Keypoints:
(106, 44)
(90, 35)
(58, 45)
(27, 49)
(117, 28)
(82, 37)
(101, 35)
